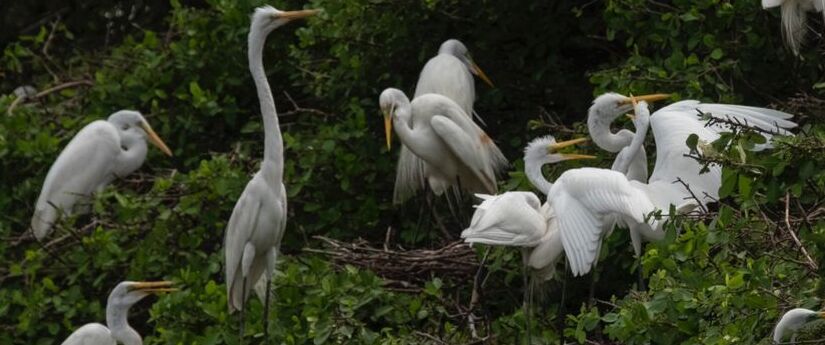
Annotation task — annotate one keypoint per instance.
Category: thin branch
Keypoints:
(811, 263)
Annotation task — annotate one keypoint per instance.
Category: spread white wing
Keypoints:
(581, 199)
(509, 219)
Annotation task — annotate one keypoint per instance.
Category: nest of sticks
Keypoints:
(403, 270)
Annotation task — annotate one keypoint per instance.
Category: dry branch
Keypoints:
(403, 270)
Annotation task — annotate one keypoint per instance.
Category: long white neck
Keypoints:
(532, 168)
(599, 129)
(131, 157)
(116, 320)
(273, 164)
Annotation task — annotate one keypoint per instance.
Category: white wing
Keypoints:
(83, 167)
(90, 334)
(409, 176)
(509, 219)
(469, 150)
(239, 231)
(672, 125)
(581, 198)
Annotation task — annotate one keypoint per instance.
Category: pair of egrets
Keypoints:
(104, 150)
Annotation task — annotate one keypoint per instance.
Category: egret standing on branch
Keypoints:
(256, 227)
(450, 74)
(120, 300)
(99, 153)
(454, 150)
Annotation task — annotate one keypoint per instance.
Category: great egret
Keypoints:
(450, 73)
(256, 227)
(99, 153)
(605, 109)
(794, 16)
(454, 150)
(792, 321)
(581, 200)
(120, 300)
(672, 125)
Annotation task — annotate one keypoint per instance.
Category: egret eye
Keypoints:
(125, 127)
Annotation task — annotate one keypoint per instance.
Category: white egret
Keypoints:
(792, 321)
(581, 200)
(117, 329)
(605, 109)
(454, 150)
(794, 17)
(672, 125)
(99, 153)
(256, 227)
(450, 73)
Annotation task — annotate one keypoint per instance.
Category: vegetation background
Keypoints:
(722, 278)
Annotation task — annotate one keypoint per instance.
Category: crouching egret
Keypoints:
(117, 329)
(99, 153)
(792, 321)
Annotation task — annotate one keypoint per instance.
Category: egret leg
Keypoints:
(243, 310)
(266, 311)
(594, 279)
(527, 302)
(639, 273)
(561, 316)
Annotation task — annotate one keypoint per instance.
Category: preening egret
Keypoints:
(99, 153)
(794, 16)
(792, 321)
(454, 150)
(256, 227)
(450, 73)
(120, 300)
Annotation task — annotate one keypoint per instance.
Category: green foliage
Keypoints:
(720, 278)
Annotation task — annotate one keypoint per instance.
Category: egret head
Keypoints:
(609, 106)
(456, 48)
(394, 103)
(546, 150)
(641, 114)
(268, 18)
(128, 293)
(132, 124)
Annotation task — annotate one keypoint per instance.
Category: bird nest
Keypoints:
(401, 269)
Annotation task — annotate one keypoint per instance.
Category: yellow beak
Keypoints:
(477, 71)
(292, 15)
(821, 315)
(569, 156)
(560, 145)
(647, 98)
(154, 287)
(631, 117)
(155, 139)
(388, 130)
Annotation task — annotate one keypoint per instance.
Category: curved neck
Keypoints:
(600, 133)
(131, 157)
(116, 320)
(401, 118)
(532, 168)
(273, 142)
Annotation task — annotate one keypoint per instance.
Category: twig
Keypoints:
(66, 85)
(687, 187)
(811, 262)
(298, 109)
